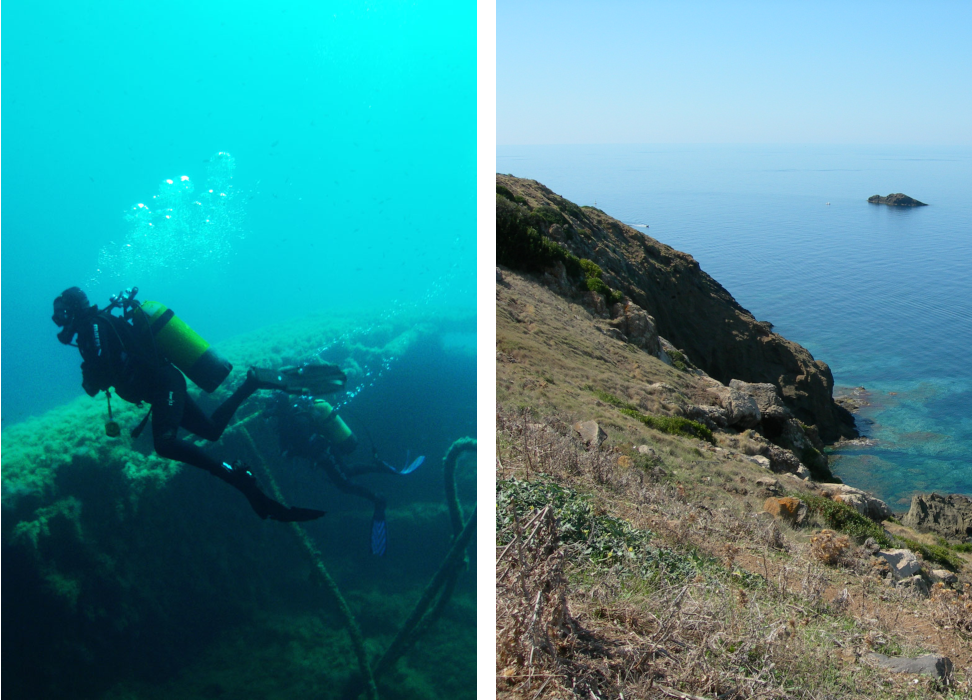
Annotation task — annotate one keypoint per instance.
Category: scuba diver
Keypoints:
(312, 429)
(140, 354)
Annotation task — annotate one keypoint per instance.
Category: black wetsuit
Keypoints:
(299, 432)
(118, 354)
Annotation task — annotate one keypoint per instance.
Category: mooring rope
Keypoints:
(439, 589)
(357, 639)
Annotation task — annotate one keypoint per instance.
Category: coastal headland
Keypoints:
(663, 490)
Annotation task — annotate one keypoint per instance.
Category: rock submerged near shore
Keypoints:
(896, 199)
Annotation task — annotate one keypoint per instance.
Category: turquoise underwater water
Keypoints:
(248, 163)
(882, 294)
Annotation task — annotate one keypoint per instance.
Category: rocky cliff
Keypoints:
(691, 309)
(896, 200)
(949, 516)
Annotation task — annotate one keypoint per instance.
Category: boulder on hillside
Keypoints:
(742, 411)
(861, 501)
(788, 508)
(939, 667)
(767, 398)
(896, 200)
(903, 562)
(590, 432)
(949, 516)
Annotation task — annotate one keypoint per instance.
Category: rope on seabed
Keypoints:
(357, 640)
(439, 590)
(445, 578)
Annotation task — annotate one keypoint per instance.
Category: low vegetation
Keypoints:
(673, 425)
(616, 581)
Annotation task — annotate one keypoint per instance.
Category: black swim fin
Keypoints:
(313, 379)
(242, 478)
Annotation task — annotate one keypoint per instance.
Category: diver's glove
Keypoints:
(264, 506)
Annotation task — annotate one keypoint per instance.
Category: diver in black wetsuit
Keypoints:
(121, 352)
(312, 429)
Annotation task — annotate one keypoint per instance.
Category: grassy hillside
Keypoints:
(639, 561)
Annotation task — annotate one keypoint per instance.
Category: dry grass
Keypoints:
(756, 616)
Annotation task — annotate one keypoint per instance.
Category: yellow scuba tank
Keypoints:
(334, 429)
(185, 348)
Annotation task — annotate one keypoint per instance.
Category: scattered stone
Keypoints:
(590, 432)
(949, 516)
(940, 667)
(896, 199)
(803, 473)
(645, 450)
(772, 486)
(761, 461)
(871, 545)
(615, 333)
(917, 583)
(942, 576)
(792, 509)
(903, 562)
(659, 472)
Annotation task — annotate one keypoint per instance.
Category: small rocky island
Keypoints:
(896, 200)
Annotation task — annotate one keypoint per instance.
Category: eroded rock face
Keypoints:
(638, 327)
(896, 200)
(949, 516)
(697, 314)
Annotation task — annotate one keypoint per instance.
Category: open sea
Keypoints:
(881, 294)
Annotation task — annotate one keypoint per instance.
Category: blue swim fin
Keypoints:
(409, 468)
(379, 532)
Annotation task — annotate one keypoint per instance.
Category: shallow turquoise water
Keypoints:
(882, 294)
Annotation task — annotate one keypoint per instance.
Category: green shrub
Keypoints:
(548, 215)
(504, 192)
(673, 425)
(591, 269)
(932, 552)
(843, 518)
(679, 361)
(962, 547)
(521, 246)
(600, 541)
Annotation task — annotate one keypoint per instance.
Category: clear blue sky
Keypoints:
(573, 71)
